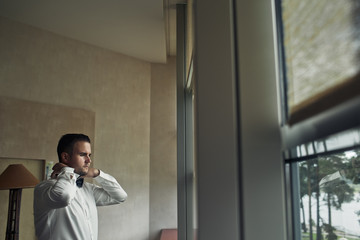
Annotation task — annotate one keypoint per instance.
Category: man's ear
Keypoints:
(65, 157)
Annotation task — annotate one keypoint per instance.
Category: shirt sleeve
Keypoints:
(110, 191)
(57, 193)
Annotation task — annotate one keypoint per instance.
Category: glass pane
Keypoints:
(321, 45)
(330, 196)
(345, 139)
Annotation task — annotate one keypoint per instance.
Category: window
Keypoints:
(319, 49)
(326, 173)
(187, 199)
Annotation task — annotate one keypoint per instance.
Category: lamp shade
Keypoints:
(17, 176)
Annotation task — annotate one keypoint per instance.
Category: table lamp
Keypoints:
(15, 178)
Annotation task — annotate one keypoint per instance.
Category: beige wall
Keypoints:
(163, 191)
(39, 66)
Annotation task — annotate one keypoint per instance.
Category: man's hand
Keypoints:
(57, 169)
(93, 172)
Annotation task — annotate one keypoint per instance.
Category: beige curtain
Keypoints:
(322, 54)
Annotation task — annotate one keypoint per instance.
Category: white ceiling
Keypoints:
(144, 29)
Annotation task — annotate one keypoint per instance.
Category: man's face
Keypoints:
(80, 158)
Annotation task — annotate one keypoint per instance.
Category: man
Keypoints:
(65, 205)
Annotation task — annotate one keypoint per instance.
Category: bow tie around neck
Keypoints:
(80, 182)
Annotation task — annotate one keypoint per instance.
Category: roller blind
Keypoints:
(322, 55)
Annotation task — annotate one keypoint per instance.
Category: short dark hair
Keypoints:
(67, 142)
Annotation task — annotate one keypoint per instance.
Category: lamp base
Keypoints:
(12, 229)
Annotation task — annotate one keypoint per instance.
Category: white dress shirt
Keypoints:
(63, 211)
